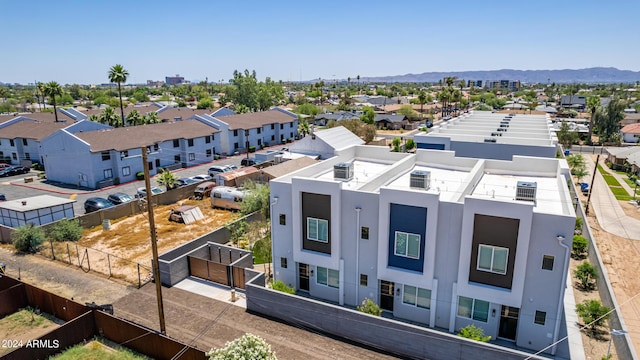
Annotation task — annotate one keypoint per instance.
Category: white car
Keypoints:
(201, 177)
(215, 170)
(142, 192)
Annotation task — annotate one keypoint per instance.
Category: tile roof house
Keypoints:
(100, 157)
(630, 133)
(630, 118)
(324, 118)
(391, 122)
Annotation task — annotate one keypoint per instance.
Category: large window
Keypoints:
(493, 259)
(417, 297)
(318, 229)
(328, 277)
(176, 143)
(473, 308)
(190, 142)
(407, 245)
(192, 156)
(108, 173)
(105, 155)
(126, 171)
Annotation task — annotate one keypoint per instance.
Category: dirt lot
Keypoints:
(18, 328)
(128, 242)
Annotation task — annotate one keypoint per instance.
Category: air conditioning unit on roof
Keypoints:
(343, 171)
(526, 191)
(420, 179)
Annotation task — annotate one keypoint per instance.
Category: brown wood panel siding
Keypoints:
(495, 231)
(198, 268)
(238, 277)
(218, 273)
(316, 206)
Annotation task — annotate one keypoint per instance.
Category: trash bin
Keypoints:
(567, 152)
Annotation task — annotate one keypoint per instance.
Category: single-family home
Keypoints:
(630, 133)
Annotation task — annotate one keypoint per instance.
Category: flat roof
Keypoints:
(442, 181)
(34, 203)
(363, 172)
(503, 188)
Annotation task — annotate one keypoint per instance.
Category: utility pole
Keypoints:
(154, 242)
(593, 178)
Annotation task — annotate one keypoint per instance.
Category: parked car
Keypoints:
(3, 198)
(119, 198)
(185, 181)
(14, 170)
(203, 190)
(142, 192)
(232, 167)
(202, 177)
(214, 170)
(96, 203)
(176, 214)
(248, 162)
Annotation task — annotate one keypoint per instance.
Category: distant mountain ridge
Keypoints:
(588, 75)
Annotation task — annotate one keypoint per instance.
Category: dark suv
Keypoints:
(248, 162)
(96, 203)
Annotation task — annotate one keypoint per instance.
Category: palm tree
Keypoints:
(167, 179)
(151, 118)
(109, 117)
(303, 127)
(593, 104)
(40, 86)
(422, 98)
(119, 74)
(51, 89)
(134, 118)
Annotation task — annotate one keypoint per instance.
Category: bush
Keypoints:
(474, 333)
(579, 247)
(140, 175)
(27, 238)
(66, 230)
(289, 140)
(116, 181)
(368, 306)
(587, 275)
(593, 313)
(281, 286)
(248, 346)
(252, 149)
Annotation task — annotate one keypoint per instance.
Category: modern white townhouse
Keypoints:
(486, 135)
(436, 239)
(94, 155)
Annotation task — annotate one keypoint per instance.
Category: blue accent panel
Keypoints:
(430, 146)
(409, 219)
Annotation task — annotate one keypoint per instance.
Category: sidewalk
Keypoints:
(610, 214)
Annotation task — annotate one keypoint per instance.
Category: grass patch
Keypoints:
(95, 350)
(24, 319)
(620, 193)
(614, 185)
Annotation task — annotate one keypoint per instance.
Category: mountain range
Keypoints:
(594, 75)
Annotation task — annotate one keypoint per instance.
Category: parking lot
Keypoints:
(15, 187)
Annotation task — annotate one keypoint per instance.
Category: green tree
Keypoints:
(422, 98)
(256, 199)
(135, 118)
(396, 144)
(407, 110)
(587, 274)
(580, 246)
(307, 109)
(41, 91)
(369, 306)
(474, 333)
(205, 103)
(118, 74)
(27, 238)
(366, 132)
(368, 115)
(303, 127)
(151, 118)
(593, 313)
(109, 117)
(410, 144)
(608, 121)
(246, 347)
(53, 89)
(566, 136)
(245, 89)
(237, 230)
(167, 179)
(593, 104)
(66, 230)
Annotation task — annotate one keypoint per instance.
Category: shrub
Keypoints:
(116, 181)
(368, 306)
(579, 247)
(281, 286)
(27, 238)
(283, 141)
(66, 230)
(248, 346)
(140, 175)
(289, 140)
(587, 275)
(252, 149)
(474, 333)
(593, 313)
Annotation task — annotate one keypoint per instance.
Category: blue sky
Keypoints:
(77, 41)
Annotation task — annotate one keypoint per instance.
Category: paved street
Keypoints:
(14, 187)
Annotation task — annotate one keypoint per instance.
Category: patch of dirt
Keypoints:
(118, 251)
(18, 328)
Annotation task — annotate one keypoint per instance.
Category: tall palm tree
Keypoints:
(303, 127)
(51, 89)
(593, 104)
(119, 74)
(422, 98)
(40, 87)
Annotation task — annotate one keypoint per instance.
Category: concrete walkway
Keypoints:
(607, 209)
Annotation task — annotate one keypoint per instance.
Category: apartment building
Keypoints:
(435, 239)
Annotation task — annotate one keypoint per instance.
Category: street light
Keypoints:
(613, 333)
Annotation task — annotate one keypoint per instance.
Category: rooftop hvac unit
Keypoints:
(343, 171)
(504, 125)
(420, 179)
(490, 140)
(496, 134)
(501, 129)
(526, 191)
(277, 159)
